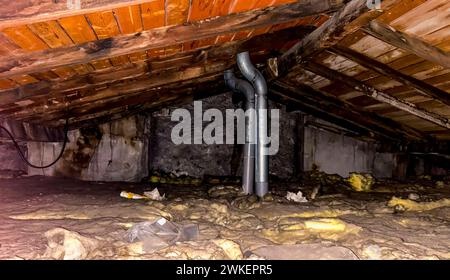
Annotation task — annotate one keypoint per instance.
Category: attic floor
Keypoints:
(48, 218)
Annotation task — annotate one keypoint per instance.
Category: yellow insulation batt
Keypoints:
(410, 205)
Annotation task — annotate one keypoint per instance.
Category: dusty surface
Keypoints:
(43, 218)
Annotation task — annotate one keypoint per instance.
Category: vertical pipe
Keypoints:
(241, 86)
(259, 84)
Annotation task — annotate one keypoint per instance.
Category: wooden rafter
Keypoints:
(384, 128)
(13, 13)
(385, 70)
(177, 78)
(376, 94)
(341, 24)
(136, 70)
(407, 42)
(48, 59)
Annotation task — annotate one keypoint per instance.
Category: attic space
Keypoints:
(225, 130)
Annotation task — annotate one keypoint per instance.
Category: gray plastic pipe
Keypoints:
(244, 87)
(259, 84)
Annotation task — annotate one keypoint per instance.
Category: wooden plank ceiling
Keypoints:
(114, 58)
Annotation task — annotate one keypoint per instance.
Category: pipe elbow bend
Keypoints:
(251, 73)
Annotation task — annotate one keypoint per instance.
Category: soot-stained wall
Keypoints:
(10, 163)
(219, 160)
(193, 159)
(116, 151)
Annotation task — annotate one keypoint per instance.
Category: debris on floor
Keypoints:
(130, 195)
(155, 195)
(230, 248)
(68, 245)
(160, 234)
(296, 197)
(409, 205)
(150, 195)
(92, 222)
(360, 182)
(174, 178)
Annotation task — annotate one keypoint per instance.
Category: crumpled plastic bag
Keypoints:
(296, 197)
(161, 233)
(155, 195)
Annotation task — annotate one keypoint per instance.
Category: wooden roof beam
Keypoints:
(137, 104)
(38, 61)
(376, 94)
(356, 130)
(122, 73)
(381, 126)
(347, 20)
(383, 69)
(188, 75)
(407, 42)
(13, 13)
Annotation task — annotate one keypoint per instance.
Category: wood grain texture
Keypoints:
(151, 39)
(129, 19)
(153, 14)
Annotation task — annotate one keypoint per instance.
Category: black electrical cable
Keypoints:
(22, 156)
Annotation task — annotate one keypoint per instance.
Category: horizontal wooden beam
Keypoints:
(378, 125)
(99, 78)
(48, 59)
(141, 102)
(407, 42)
(341, 24)
(353, 129)
(13, 13)
(188, 75)
(385, 70)
(376, 94)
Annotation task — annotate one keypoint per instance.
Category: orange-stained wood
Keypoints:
(82, 69)
(261, 4)
(51, 33)
(153, 14)
(173, 49)
(242, 5)
(137, 56)
(201, 9)
(25, 38)
(78, 29)
(129, 19)
(282, 2)
(101, 64)
(242, 35)
(7, 83)
(65, 72)
(260, 31)
(123, 59)
(177, 11)
(224, 38)
(156, 52)
(221, 7)
(104, 24)
(24, 79)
